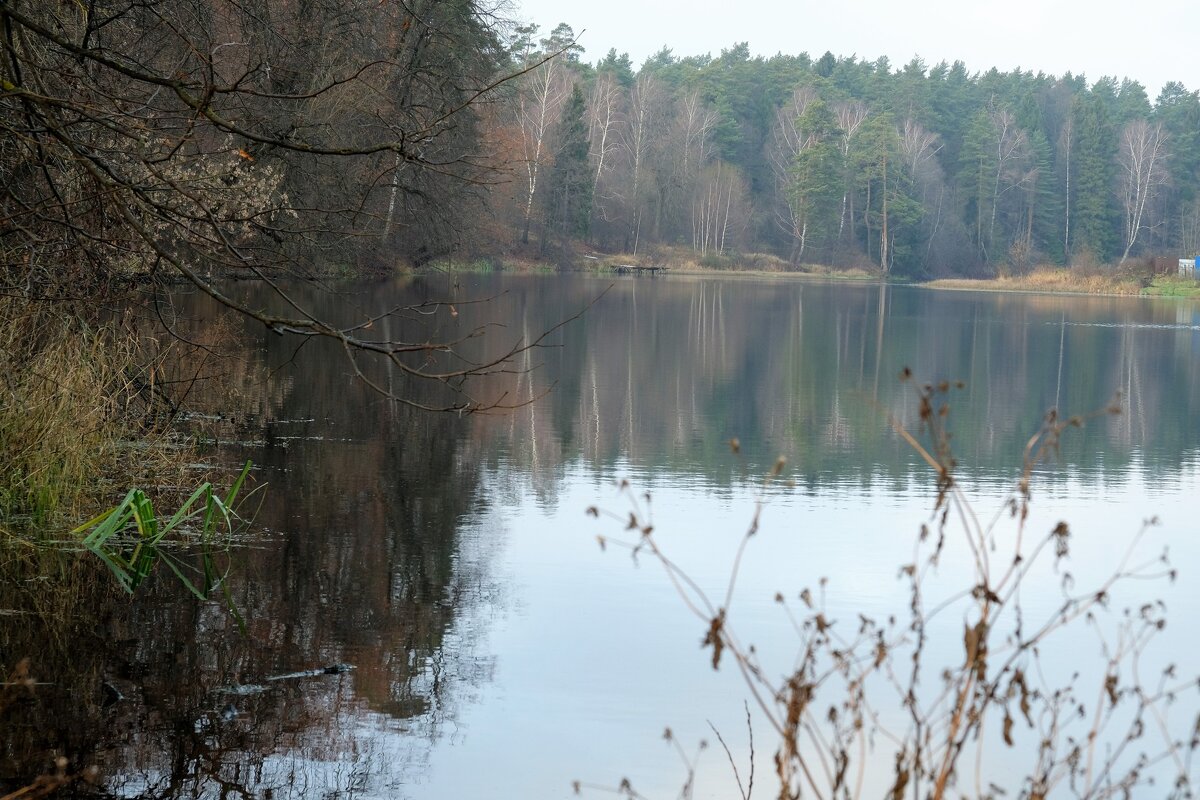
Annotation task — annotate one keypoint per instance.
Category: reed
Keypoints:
(77, 418)
(57, 414)
(131, 539)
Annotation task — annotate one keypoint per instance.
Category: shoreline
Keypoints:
(1039, 282)
(1062, 282)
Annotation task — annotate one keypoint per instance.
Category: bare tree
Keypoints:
(1003, 176)
(918, 145)
(1013, 157)
(718, 212)
(1065, 139)
(603, 116)
(681, 154)
(641, 126)
(850, 116)
(539, 102)
(145, 140)
(1142, 159)
(695, 122)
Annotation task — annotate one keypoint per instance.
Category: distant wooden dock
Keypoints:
(634, 269)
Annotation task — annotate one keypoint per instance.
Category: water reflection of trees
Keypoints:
(370, 553)
(374, 547)
(663, 373)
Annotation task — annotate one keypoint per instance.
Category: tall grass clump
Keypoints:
(60, 418)
(78, 427)
(966, 688)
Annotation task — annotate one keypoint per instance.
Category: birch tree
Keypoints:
(645, 100)
(569, 209)
(603, 115)
(718, 210)
(850, 118)
(808, 165)
(918, 145)
(788, 140)
(997, 165)
(683, 154)
(1142, 159)
(695, 122)
(539, 101)
(1065, 149)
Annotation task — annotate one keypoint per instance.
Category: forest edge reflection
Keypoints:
(376, 547)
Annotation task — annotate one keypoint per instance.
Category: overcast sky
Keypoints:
(1151, 41)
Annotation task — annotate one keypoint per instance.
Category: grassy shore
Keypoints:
(1068, 281)
(1046, 280)
(682, 261)
(678, 261)
(1172, 286)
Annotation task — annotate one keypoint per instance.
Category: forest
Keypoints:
(149, 138)
(916, 170)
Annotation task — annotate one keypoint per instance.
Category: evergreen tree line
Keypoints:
(841, 161)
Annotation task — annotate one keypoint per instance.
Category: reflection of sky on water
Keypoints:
(596, 656)
(502, 654)
(600, 655)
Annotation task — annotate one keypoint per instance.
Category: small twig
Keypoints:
(729, 755)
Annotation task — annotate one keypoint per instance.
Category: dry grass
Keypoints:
(685, 260)
(72, 406)
(1048, 279)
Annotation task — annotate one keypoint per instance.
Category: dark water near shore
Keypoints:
(498, 651)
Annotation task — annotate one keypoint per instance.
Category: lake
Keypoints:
(498, 650)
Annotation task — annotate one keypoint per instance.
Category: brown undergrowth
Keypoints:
(1050, 280)
(77, 419)
(896, 696)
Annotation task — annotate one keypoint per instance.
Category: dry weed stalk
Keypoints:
(865, 693)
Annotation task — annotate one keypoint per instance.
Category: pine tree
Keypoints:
(976, 168)
(1045, 208)
(1179, 112)
(816, 186)
(1094, 222)
(892, 215)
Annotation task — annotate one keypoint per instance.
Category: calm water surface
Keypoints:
(498, 651)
